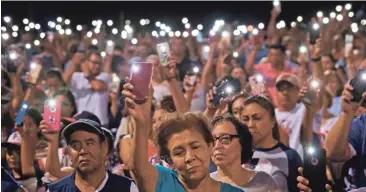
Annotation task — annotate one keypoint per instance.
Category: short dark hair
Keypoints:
(93, 52)
(278, 47)
(178, 122)
(242, 94)
(331, 57)
(268, 106)
(245, 138)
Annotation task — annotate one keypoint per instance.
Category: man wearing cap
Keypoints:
(293, 117)
(88, 148)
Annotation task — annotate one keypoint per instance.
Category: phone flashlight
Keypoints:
(229, 89)
(259, 78)
(33, 65)
(25, 106)
(196, 69)
(356, 52)
(363, 77)
(225, 34)
(314, 84)
(315, 26)
(310, 150)
(303, 49)
(276, 3)
(52, 103)
(235, 54)
(115, 78)
(206, 48)
(13, 55)
(135, 68)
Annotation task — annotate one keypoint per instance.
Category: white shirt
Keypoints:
(88, 100)
(160, 91)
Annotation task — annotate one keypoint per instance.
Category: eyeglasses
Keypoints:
(95, 62)
(225, 139)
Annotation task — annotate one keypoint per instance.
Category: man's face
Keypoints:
(276, 57)
(94, 64)
(87, 151)
(287, 94)
(178, 46)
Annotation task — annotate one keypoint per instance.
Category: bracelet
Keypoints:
(317, 59)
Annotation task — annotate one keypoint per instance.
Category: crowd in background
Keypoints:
(180, 138)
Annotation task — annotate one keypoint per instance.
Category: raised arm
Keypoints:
(77, 59)
(145, 173)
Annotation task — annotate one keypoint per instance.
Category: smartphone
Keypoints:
(114, 86)
(313, 35)
(52, 114)
(21, 113)
(205, 52)
(348, 44)
(277, 5)
(257, 84)
(228, 87)
(35, 69)
(192, 75)
(141, 75)
(110, 47)
(359, 86)
(313, 85)
(315, 168)
(228, 59)
(163, 52)
(199, 37)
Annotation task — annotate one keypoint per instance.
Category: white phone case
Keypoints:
(34, 72)
(163, 52)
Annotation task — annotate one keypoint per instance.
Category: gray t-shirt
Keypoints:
(260, 182)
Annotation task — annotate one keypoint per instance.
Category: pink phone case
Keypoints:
(140, 79)
(52, 115)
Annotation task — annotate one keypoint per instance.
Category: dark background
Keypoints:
(171, 13)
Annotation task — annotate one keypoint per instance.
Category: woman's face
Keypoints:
(190, 155)
(333, 83)
(227, 148)
(327, 63)
(13, 158)
(259, 122)
(157, 118)
(67, 107)
(237, 108)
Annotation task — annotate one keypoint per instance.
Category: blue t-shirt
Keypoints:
(168, 182)
(8, 183)
(263, 52)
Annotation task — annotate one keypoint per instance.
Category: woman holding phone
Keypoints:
(185, 142)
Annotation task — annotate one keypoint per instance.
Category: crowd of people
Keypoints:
(287, 90)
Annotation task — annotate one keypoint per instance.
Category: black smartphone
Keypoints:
(313, 36)
(313, 85)
(228, 87)
(359, 86)
(315, 168)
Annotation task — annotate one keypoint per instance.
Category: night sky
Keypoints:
(171, 13)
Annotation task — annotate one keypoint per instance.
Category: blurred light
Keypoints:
(109, 22)
(196, 69)
(177, 33)
(339, 17)
(68, 31)
(236, 32)
(59, 19)
(315, 26)
(212, 33)
(199, 27)
(52, 24)
(127, 22)
(36, 42)
(96, 30)
(89, 34)
(79, 27)
(339, 8)
(171, 34)
(94, 23)
(103, 54)
(15, 28)
(167, 29)
(26, 28)
(355, 29)
(242, 28)
(235, 54)
(325, 20)
(184, 20)
(187, 26)
(162, 33)
(261, 26)
(28, 46)
(154, 33)
(351, 14)
(37, 26)
(206, 48)
(67, 21)
(31, 25)
(61, 31)
(99, 22)
(25, 21)
(224, 34)
(354, 25)
(283, 24)
(157, 24)
(332, 15)
(222, 22)
(299, 19)
(128, 29)
(162, 26)
(278, 26)
(14, 34)
(7, 19)
(363, 22)
(124, 34)
(185, 34)
(255, 31)
(134, 41)
(5, 36)
(94, 41)
(114, 31)
(58, 27)
(311, 150)
(3, 28)
(42, 35)
(348, 6)
(110, 43)
(303, 49)
(319, 14)
(142, 22)
(216, 28)
(276, 3)
(147, 21)
(195, 33)
(293, 24)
